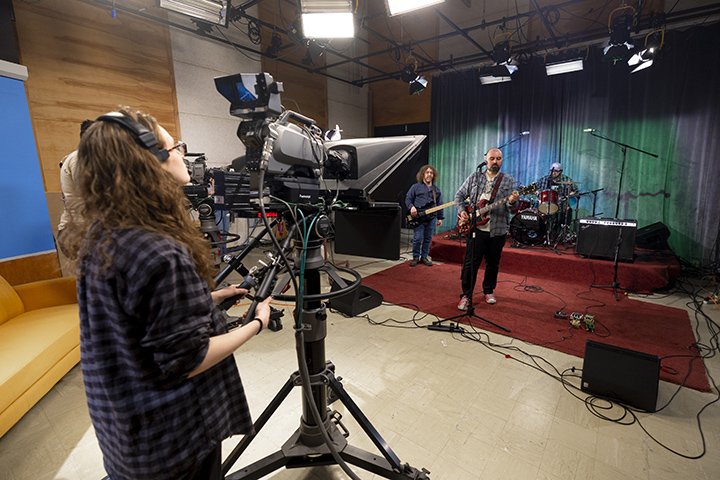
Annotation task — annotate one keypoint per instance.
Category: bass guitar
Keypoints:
(422, 215)
(482, 214)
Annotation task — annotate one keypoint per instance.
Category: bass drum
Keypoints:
(528, 227)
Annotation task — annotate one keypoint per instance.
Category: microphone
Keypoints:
(526, 132)
(589, 130)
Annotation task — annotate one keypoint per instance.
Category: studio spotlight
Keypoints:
(645, 57)
(313, 53)
(408, 74)
(418, 85)
(504, 65)
(275, 44)
(620, 23)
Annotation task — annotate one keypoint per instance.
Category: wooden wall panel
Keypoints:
(81, 63)
(305, 92)
(392, 103)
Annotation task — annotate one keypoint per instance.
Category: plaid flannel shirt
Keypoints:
(473, 186)
(145, 324)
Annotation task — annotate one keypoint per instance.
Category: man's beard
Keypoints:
(494, 168)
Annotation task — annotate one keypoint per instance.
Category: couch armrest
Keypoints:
(47, 293)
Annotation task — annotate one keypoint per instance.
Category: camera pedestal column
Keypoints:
(306, 447)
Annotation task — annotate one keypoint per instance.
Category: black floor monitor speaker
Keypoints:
(598, 237)
(356, 302)
(620, 374)
(653, 237)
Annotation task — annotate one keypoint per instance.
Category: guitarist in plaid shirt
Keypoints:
(422, 195)
(487, 239)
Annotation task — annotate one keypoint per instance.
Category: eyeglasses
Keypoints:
(180, 146)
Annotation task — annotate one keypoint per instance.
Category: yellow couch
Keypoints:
(39, 342)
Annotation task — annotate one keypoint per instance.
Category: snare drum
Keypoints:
(528, 227)
(548, 202)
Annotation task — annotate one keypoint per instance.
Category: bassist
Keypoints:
(424, 195)
(487, 239)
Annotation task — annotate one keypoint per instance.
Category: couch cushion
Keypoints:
(10, 303)
(31, 343)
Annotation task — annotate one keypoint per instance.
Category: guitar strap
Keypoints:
(498, 181)
(433, 194)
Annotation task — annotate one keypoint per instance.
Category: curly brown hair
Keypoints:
(421, 173)
(123, 185)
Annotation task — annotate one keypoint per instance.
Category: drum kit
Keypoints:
(545, 218)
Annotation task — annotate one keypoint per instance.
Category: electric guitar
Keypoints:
(482, 214)
(421, 216)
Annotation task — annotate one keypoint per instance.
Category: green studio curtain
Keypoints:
(671, 109)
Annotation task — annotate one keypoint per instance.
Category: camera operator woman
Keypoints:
(162, 386)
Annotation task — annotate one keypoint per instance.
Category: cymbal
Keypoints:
(567, 183)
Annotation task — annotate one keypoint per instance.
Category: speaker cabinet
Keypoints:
(598, 238)
(653, 237)
(369, 232)
(620, 374)
(356, 302)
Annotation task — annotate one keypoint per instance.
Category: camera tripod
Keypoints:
(307, 446)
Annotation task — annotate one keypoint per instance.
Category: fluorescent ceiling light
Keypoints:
(207, 10)
(564, 67)
(328, 25)
(397, 7)
(488, 79)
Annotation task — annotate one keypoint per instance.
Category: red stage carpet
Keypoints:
(651, 270)
(528, 313)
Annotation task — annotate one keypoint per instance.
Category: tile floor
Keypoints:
(443, 403)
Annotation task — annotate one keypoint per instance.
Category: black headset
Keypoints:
(144, 137)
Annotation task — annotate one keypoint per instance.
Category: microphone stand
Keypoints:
(615, 285)
(624, 147)
(454, 326)
(511, 141)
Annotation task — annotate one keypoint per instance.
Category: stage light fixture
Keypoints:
(489, 79)
(327, 18)
(645, 57)
(565, 61)
(314, 51)
(504, 65)
(275, 44)
(398, 7)
(566, 66)
(620, 23)
(408, 74)
(207, 10)
(418, 85)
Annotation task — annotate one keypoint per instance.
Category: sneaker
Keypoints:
(464, 303)
(426, 261)
(414, 262)
(490, 298)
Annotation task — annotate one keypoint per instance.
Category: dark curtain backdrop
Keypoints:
(671, 109)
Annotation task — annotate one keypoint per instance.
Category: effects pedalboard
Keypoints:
(578, 320)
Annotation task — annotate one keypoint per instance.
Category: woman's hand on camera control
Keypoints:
(262, 311)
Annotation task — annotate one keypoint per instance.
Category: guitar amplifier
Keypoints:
(598, 238)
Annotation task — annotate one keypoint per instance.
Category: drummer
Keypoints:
(555, 180)
(565, 189)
